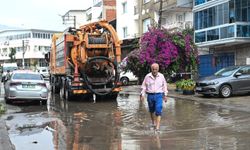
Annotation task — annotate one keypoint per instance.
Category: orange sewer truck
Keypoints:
(84, 62)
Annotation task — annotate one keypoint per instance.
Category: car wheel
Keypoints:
(44, 102)
(225, 91)
(113, 96)
(124, 81)
(7, 101)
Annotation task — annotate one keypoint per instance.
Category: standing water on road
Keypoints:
(125, 124)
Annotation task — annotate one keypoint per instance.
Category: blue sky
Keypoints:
(38, 14)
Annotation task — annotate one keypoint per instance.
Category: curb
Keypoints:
(4, 138)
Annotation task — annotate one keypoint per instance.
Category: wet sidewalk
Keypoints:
(236, 102)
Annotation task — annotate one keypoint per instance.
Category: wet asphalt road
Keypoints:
(125, 124)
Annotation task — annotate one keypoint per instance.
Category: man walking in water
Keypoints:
(155, 86)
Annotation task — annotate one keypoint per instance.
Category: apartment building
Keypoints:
(223, 27)
(135, 16)
(30, 45)
(102, 9)
(74, 18)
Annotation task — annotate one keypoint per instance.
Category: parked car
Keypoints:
(44, 71)
(127, 77)
(25, 85)
(225, 82)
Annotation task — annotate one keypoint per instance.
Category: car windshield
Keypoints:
(226, 71)
(26, 76)
(11, 68)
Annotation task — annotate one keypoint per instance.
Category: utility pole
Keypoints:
(23, 55)
(24, 43)
(160, 14)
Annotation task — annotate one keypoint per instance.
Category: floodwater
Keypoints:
(124, 124)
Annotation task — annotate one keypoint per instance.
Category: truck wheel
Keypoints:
(225, 91)
(113, 96)
(124, 81)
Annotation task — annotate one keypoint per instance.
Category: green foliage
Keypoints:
(12, 55)
(178, 84)
(2, 108)
(186, 84)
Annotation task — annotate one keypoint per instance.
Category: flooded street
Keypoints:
(125, 125)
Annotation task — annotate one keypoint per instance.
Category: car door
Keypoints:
(242, 82)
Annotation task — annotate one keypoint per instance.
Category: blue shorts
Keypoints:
(155, 103)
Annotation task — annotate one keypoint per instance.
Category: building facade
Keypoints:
(102, 10)
(29, 45)
(74, 18)
(223, 27)
(135, 16)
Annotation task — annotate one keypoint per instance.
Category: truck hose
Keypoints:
(88, 83)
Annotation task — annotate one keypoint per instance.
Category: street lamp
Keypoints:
(25, 43)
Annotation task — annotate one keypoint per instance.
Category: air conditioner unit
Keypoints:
(188, 24)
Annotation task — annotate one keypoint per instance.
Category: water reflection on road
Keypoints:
(125, 124)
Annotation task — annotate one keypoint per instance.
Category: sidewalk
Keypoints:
(5, 143)
(236, 103)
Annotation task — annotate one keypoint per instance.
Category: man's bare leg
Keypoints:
(158, 120)
(153, 119)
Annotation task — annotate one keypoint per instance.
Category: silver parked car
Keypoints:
(225, 82)
(25, 85)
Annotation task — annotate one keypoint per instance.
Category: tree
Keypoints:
(12, 55)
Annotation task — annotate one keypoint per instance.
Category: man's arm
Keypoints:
(165, 88)
(143, 89)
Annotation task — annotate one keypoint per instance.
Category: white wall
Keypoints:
(126, 19)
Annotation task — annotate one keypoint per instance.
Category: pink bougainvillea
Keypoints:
(174, 52)
(157, 47)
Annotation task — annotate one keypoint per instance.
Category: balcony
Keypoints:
(227, 34)
(178, 25)
(177, 6)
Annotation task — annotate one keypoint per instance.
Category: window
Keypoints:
(198, 2)
(146, 1)
(213, 34)
(231, 12)
(146, 25)
(125, 32)
(124, 7)
(27, 63)
(227, 32)
(135, 10)
(243, 31)
(179, 18)
(200, 37)
(42, 63)
(245, 71)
